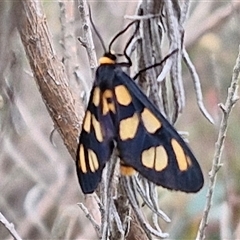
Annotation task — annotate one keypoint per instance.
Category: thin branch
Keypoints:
(145, 17)
(197, 85)
(90, 218)
(87, 39)
(226, 110)
(70, 46)
(175, 34)
(145, 33)
(146, 227)
(185, 10)
(10, 227)
(151, 200)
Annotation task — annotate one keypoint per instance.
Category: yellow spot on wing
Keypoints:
(161, 159)
(180, 155)
(107, 102)
(97, 129)
(87, 122)
(82, 160)
(151, 123)
(107, 93)
(105, 108)
(189, 161)
(93, 161)
(122, 94)
(128, 127)
(96, 96)
(155, 158)
(148, 157)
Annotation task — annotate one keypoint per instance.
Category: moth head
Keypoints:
(108, 58)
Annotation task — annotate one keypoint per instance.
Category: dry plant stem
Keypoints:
(149, 231)
(184, 11)
(87, 39)
(197, 85)
(152, 200)
(175, 32)
(65, 35)
(145, 17)
(10, 227)
(107, 199)
(49, 72)
(90, 218)
(147, 49)
(226, 109)
(69, 42)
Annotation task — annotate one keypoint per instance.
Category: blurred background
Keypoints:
(39, 190)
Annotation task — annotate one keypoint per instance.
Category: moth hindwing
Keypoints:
(118, 111)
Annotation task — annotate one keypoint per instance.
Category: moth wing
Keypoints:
(95, 143)
(148, 143)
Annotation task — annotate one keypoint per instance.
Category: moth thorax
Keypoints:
(108, 58)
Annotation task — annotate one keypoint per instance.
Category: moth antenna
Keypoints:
(95, 30)
(128, 43)
(120, 33)
(155, 65)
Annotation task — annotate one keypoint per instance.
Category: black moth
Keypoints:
(118, 111)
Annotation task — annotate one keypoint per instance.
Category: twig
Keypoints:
(10, 227)
(226, 109)
(146, 227)
(145, 17)
(145, 33)
(151, 200)
(185, 9)
(87, 39)
(70, 46)
(90, 218)
(175, 30)
(197, 85)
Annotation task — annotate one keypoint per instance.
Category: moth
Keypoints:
(120, 115)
